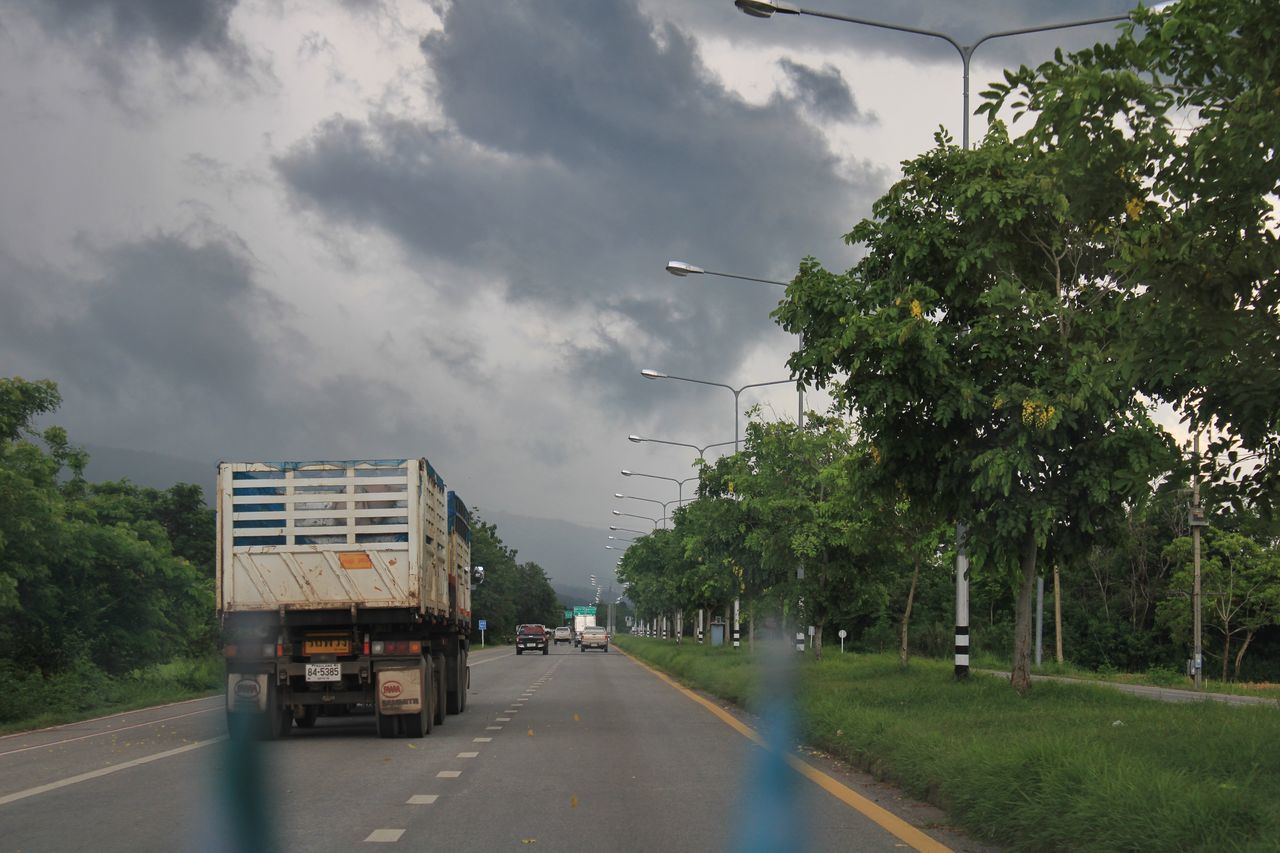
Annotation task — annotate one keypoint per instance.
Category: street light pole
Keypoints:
(737, 442)
(736, 392)
(682, 269)
(767, 9)
(679, 483)
(702, 451)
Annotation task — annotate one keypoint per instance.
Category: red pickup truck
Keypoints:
(531, 638)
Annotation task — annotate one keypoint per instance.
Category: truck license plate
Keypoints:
(324, 672)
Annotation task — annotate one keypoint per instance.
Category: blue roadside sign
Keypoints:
(484, 624)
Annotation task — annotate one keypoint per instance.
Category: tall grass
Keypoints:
(1068, 767)
(30, 700)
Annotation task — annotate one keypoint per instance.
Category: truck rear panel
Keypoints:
(326, 535)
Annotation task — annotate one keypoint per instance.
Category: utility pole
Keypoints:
(1196, 521)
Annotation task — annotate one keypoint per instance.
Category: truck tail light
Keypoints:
(279, 650)
(366, 644)
(397, 647)
(230, 650)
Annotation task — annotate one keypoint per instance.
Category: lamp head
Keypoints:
(682, 269)
(652, 374)
(765, 9)
(625, 472)
(637, 439)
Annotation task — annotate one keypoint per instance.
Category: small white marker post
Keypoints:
(843, 634)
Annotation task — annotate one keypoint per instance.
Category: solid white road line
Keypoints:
(108, 731)
(112, 716)
(104, 771)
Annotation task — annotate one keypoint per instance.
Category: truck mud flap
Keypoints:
(247, 692)
(399, 690)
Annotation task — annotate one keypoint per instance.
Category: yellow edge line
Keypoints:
(882, 817)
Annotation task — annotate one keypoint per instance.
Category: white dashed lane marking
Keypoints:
(493, 728)
(422, 799)
(385, 835)
(448, 774)
(481, 739)
(504, 719)
(468, 754)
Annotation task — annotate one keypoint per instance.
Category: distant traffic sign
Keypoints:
(484, 624)
(584, 611)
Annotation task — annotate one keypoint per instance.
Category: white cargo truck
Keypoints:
(583, 617)
(341, 585)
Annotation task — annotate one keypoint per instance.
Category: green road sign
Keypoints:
(584, 611)
(568, 614)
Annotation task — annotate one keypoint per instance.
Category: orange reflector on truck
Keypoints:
(355, 560)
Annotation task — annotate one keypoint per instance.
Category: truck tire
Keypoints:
(465, 684)
(386, 724)
(546, 651)
(278, 720)
(419, 724)
(440, 683)
(456, 699)
(606, 650)
(582, 648)
(519, 651)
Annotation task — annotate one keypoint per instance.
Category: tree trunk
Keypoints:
(1057, 613)
(1020, 677)
(903, 653)
(1240, 654)
(1226, 653)
(819, 621)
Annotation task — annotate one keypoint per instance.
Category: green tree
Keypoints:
(513, 593)
(980, 343)
(799, 482)
(85, 575)
(1240, 581)
(1184, 109)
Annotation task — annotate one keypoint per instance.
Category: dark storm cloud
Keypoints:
(171, 26)
(166, 312)
(823, 90)
(176, 345)
(966, 22)
(583, 149)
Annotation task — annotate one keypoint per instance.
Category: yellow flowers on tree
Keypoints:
(1186, 100)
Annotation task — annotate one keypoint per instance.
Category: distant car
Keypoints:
(563, 634)
(531, 638)
(594, 638)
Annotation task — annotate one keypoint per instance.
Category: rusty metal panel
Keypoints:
(320, 535)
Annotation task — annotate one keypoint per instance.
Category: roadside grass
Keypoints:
(31, 701)
(1068, 767)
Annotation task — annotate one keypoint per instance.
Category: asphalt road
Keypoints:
(563, 752)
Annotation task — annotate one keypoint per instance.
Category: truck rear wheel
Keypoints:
(386, 725)
(441, 689)
(456, 699)
(278, 720)
(308, 718)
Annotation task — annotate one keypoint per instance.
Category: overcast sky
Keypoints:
(301, 229)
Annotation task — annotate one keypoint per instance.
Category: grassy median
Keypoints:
(1068, 767)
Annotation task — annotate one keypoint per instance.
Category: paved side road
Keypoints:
(567, 751)
(1163, 694)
